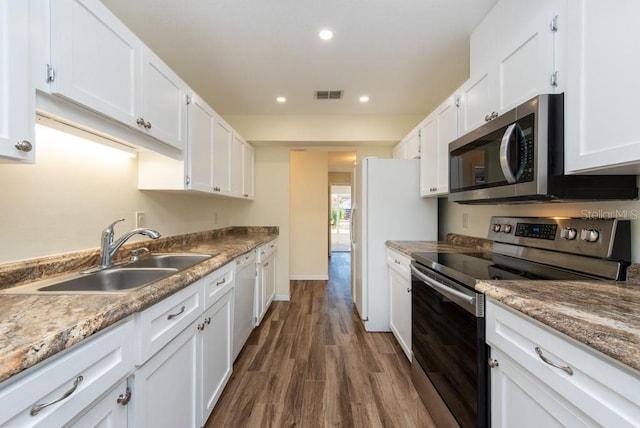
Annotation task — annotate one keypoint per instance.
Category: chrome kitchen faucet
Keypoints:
(109, 247)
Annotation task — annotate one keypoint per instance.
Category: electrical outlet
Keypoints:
(140, 219)
(465, 220)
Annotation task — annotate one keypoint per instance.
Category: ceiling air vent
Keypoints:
(328, 95)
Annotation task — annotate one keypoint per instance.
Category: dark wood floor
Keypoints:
(311, 364)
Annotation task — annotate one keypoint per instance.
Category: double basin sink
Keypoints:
(121, 278)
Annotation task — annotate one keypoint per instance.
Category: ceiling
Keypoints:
(239, 55)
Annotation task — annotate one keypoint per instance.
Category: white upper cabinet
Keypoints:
(512, 60)
(236, 165)
(408, 147)
(17, 116)
(436, 132)
(95, 58)
(222, 141)
(248, 163)
(97, 62)
(163, 101)
(202, 121)
(601, 101)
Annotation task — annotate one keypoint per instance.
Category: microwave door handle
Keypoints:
(504, 153)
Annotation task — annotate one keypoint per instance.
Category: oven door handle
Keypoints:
(471, 300)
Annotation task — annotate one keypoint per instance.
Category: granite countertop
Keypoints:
(34, 327)
(604, 315)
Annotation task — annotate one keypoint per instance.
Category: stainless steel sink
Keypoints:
(168, 260)
(110, 280)
(119, 279)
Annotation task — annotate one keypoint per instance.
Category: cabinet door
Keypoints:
(96, 58)
(477, 101)
(235, 166)
(201, 120)
(447, 126)
(429, 158)
(163, 101)
(217, 360)
(412, 145)
(270, 281)
(166, 388)
(248, 171)
(17, 114)
(519, 399)
(110, 411)
(222, 140)
(601, 102)
(400, 309)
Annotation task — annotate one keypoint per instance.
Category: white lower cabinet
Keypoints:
(539, 377)
(55, 391)
(400, 299)
(109, 411)
(215, 343)
(266, 278)
(165, 389)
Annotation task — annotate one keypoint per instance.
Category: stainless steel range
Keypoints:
(449, 366)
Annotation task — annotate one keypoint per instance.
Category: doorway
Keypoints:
(340, 218)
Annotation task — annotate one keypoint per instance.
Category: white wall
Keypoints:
(309, 215)
(63, 202)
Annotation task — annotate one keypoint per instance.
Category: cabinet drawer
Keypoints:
(602, 389)
(94, 366)
(398, 262)
(265, 250)
(217, 283)
(160, 323)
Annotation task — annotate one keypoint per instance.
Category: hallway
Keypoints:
(311, 364)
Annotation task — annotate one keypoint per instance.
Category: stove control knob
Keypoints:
(568, 233)
(506, 228)
(496, 227)
(589, 235)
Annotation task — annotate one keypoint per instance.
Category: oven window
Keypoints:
(448, 343)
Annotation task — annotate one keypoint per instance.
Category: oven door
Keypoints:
(448, 344)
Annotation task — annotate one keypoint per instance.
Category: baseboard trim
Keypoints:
(282, 297)
(309, 277)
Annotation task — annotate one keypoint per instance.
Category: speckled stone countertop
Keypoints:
(35, 327)
(604, 315)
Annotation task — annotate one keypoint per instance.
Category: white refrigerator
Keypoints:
(387, 206)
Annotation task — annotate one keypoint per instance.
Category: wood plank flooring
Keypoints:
(311, 364)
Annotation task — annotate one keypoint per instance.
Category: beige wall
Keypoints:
(308, 216)
(337, 178)
(451, 214)
(270, 207)
(63, 202)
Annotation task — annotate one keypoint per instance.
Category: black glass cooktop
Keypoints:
(469, 268)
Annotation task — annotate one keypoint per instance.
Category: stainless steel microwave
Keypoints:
(519, 157)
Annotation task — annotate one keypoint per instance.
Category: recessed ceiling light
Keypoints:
(326, 34)
(281, 99)
(364, 99)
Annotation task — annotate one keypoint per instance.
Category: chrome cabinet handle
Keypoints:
(124, 398)
(147, 125)
(486, 118)
(266, 264)
(200, 327)
(24, 146)
(207, 320)
(566, 369)
(140, 121)
(38, 407)
(172, 316)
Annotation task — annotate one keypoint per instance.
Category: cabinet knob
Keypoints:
(124, 398)
(24, 146)
(493, 363)
(147, 125)
(140, 121)
(207, 320)
(200, 327)
(408, 290)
